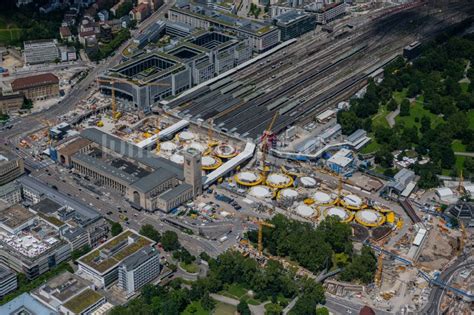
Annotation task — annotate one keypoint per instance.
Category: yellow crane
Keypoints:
(463, 237)
(461, 189)
(378, 272)
(158, 144)
(261, 224)
(266, 134)
(210, 141)
(115, 115)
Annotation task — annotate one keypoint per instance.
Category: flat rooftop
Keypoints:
(46, 206)
(210, 40)
(146, 68)
(291, 16)
(15, 216)
(204, 12)
(185, 52)
(114, 251)
(32, 242)
(83, 301)
(63, 286)
(6, 155)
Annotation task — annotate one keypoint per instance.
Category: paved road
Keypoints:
(437, 293)
(391, 117)
(342, 306)
(468, 154)
(80, 91)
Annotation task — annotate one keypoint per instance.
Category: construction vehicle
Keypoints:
(100, 123)
(461, 189)
(261, 224)
(267, 137)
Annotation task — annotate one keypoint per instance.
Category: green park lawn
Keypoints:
(195, 308)
(470, 116)
(238, 292)
(457, 146)
(417, 111)
(224, 309)
(235, 291)
(380, 118)
(191, 268)
(9, 35)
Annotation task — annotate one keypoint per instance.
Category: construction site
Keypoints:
(267, 144)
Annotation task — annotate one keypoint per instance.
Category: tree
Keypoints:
(361, 268)
(392, 105)
(207, 303)
(149, 291)
(205, 256)
(384, 157)
(169, 240)
(124, 9)
(27, 104)
(425, 124)
(273, 309)
(312, 295)
(448, 159)
(149, 231)
(116, 228)
(405, 107)
(243, 308)
(80, 252)
(322, 311)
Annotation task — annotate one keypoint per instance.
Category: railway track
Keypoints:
(311, 80)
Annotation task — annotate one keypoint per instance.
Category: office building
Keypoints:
(8, 281)
(341, 161)
(37, 87)
(68, 216)
(41, 51)
(10, 193)
(29, 244)
(11, 103)
(138, 269)
(25, 304)
(147, 182)
(68, 293)
(295, 23)
(327, 13)
(11, 166)
(151, 77)
(261, 36)
(101, 266)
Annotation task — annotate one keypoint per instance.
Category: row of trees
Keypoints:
(320, 248)
(106, 50)
(229, 268)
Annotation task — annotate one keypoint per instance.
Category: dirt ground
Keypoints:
(11, 62)
(438, 250)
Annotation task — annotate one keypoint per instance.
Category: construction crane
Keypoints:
(158, 144)
(210, 141)
(261, 224)
(461, 189)
(378, 272)
(115, 115)
(462, 238)
(266, 137)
